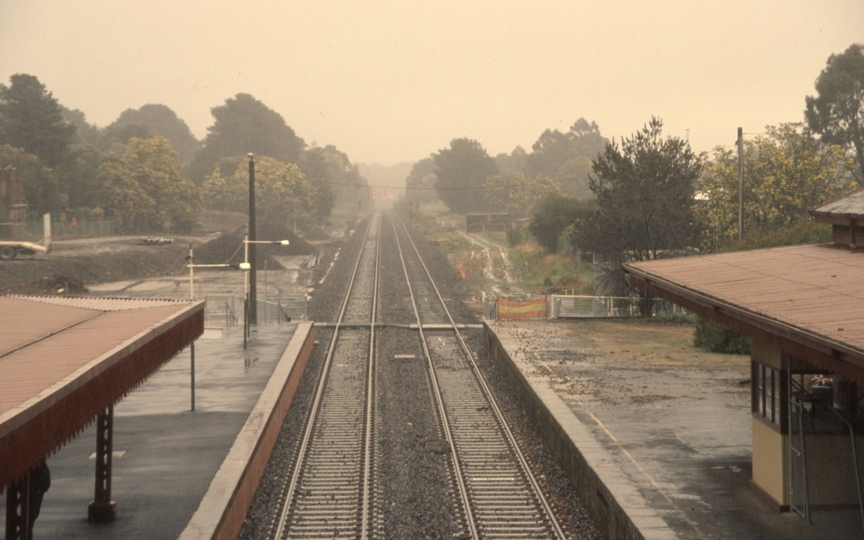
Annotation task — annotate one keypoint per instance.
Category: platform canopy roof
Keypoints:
(65, 360)
(806, 300)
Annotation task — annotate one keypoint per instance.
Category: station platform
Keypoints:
(657, 442)
(178, 472)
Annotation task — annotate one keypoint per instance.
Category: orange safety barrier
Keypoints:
(532, 309)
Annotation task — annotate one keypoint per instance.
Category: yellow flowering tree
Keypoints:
(282, 192)
(144, 190)
(785, 174)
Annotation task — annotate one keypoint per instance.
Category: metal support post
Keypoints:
(191, 264)
(253, 307)
(740, 183)
(103, 509)
(192, 351)
(18, 510)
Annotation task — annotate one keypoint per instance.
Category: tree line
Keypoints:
(149, 173)
(650, 196)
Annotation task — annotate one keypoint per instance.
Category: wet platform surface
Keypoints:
(672, 438)
(165, 454)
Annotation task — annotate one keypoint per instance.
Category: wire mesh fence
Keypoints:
(228, 310)
(34, 230)
(826, 423)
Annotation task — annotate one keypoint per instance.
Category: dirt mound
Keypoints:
(228, 248)
(56, 284)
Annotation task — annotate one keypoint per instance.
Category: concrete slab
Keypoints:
(167, 456)
(667, 443)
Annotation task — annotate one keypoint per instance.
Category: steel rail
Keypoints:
(526, 469)
(439, 401)
(315, 409)
(369, 428)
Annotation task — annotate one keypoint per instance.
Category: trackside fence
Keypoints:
(555, 306)
(227, 310)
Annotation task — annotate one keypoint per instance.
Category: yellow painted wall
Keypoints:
(770, 467)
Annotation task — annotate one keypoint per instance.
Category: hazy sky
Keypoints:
(392, 81)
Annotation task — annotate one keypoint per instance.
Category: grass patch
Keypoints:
(554, 272)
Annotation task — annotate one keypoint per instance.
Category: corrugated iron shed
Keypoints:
(850, 205)
(807, 300)
(64, 360)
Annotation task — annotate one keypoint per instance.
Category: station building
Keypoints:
(803, 307)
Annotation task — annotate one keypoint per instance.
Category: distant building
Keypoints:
(803, 307)
(13, 203)
(487, 222)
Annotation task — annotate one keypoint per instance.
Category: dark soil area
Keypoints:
(49, 274)
(72, 266)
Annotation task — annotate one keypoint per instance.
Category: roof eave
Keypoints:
(746, 321)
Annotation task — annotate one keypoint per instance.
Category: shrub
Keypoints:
(718, 338)
(514, 237)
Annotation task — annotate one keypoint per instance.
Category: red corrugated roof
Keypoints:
(62, 359)
(816, 291)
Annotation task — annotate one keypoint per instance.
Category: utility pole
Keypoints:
(740, 184)
(253, 305)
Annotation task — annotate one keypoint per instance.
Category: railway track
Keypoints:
(501, 498)
(332, 490)
(330, 494)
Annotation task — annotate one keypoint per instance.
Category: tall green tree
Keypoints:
(644, 195)
(163, 121)
(31, 119)
(554, 148)
(85, 132)
(553, 215)
(420, 182)
(243, 125)
(116, 136)
(78, 182)
(516, 194)
(566, 157)
(461, 171)
(331, 175)
(515, 161)
(786, 174)
(837, 112)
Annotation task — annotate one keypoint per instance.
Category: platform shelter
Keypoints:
(803, 307)
(64, 363)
